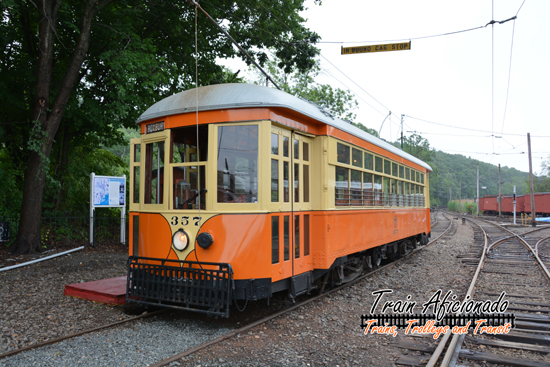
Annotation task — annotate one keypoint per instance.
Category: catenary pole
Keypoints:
(531, 185)
(477, 198)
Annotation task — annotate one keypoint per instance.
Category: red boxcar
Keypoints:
(542, 203)
(488, 204)
(507, 204)
(520, 204)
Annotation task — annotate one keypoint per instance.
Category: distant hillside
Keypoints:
(451, 169)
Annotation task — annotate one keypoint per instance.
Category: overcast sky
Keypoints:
(445, 80)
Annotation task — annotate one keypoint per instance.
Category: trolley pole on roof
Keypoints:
(531, 185)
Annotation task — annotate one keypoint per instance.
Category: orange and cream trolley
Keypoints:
(239, 191)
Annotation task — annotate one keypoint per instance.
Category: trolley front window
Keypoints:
(154, 173)
(238, 164)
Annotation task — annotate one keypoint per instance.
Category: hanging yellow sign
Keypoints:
(376, 48)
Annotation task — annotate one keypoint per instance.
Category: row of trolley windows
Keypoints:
(356, 188)
(275, 237)
(360, 159)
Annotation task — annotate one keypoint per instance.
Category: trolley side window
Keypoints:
(154, 173)
(343, 152)
(274, 240)
(238, 164)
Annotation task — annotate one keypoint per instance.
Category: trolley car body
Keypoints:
(238, 191)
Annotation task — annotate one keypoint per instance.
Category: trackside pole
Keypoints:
(92, 175)
(123, 215)
(514, 204)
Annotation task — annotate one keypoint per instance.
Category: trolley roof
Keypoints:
(238, 95)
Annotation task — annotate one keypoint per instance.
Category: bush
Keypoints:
(470, 208)
(452, 206)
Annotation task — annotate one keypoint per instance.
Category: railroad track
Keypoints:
(506, 262)
(440, 229)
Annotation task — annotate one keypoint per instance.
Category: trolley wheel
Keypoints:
(376, 257)
(402, 249)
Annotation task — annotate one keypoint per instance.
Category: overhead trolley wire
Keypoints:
(424, 37)
(465, 128)
(510, 68)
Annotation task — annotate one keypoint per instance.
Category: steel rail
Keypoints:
(435, 356)
(56, 340)
(524, 243)
(454, 342)
(540, 242)
(232, 333)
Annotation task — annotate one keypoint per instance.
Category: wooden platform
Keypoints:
(110, 291)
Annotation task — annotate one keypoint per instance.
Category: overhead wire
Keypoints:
(375, 99)
(424, 37)
(510, 68)
(469, 129)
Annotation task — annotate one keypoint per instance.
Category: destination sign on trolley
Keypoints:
(376, 48)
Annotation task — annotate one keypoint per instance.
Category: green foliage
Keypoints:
(75, 188)
(11, 192)
(418, 147)
(457, 177)
(367, 129)
(453, 206)
(139, 52)
(542, 183)
(470, 208)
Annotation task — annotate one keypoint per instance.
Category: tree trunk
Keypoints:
(28, 235)
(47, 118)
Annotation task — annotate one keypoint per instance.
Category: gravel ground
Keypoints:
(326, 332)
(145, 342)
(33, 308)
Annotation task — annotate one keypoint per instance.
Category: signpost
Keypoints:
(107, 192)
(376, 48)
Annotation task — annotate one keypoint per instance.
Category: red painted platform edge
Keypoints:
(109, 291)
(96, 297)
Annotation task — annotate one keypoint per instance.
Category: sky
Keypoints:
(476, 93)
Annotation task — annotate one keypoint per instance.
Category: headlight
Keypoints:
(205, 240)
(180, 240)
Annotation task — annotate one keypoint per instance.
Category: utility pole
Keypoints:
(499, 198)
(402, 116)
(514, 204)
(460, 194)
(477, 198)
(531, 186)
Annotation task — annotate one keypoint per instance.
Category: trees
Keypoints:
(418, 147)
(542, 183)
(73, 72)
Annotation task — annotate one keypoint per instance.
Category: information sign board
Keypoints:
(109, 192)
